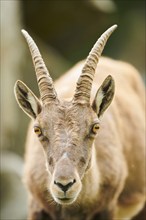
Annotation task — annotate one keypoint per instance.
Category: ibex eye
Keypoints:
(95, 128)
(38, 131)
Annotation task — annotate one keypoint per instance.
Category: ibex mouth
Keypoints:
(65, 200)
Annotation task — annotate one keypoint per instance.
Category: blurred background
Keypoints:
(64, 31)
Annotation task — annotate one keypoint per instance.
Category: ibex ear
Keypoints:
(27, 100)
(104, 96)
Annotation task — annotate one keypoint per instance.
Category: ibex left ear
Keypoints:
(104, 96)
(27, 101)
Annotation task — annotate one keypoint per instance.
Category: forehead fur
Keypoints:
(66, 115)
(67, 125)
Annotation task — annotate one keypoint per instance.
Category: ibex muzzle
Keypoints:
(66, 184)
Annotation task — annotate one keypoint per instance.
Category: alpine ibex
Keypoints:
(81, 164)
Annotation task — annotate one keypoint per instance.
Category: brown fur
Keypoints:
(110, 174)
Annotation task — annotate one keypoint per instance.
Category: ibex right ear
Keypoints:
(104, 96)
(27, 100)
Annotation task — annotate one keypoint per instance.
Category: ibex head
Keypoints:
(66, 129)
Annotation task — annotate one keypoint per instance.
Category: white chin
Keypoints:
(64, 201)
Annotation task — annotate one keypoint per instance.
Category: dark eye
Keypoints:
(38, 131)
(95, 128)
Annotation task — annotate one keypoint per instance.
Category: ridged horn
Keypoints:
(45, 83)
(84, 83)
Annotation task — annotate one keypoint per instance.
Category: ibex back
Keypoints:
(81, 164)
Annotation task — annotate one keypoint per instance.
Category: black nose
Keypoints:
(64, 187)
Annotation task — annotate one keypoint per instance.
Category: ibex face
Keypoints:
(66, 130)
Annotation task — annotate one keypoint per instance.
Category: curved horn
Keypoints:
(84, 84)
(45, 83)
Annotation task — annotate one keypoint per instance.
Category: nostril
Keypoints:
(64, 187)
(74, 181)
